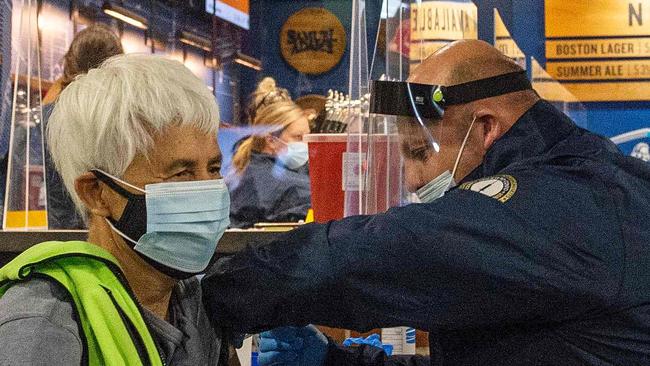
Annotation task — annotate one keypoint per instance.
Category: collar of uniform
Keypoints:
(535, 133)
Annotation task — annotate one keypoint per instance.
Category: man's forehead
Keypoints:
(408, 125)
(413, 136)
(432, 71)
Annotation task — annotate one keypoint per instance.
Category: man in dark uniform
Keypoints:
(538, 257)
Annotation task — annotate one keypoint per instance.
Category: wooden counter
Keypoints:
(14, 242)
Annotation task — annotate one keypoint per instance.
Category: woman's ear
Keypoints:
(491, 130)
(90, 190)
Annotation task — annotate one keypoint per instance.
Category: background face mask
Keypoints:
(174, 226)
(296, 155)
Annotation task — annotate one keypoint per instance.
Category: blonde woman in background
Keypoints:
(269, 181)
(145, 176)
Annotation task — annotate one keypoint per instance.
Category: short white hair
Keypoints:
(104, 118)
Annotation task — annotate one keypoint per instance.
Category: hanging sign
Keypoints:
(233, 11)
(503, 40)
(434, 24)
(599, 50)
(313, 41)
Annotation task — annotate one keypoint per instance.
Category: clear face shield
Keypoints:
(431, 138)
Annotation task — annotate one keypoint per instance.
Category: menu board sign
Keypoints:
(599, 49)
(434, 24)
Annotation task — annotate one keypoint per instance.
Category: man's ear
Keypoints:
(89, 190)
(491, 130)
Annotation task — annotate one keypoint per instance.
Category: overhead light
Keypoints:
(248, 61)
(195, 41)
(125, 15)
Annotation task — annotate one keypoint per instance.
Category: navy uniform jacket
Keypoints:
(548, 265)
(268, 192)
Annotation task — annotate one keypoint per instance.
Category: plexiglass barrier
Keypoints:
(25, 205)
(407, 33)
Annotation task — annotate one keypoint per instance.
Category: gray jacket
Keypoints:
(37, 327)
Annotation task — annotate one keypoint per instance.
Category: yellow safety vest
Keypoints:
(114, 332)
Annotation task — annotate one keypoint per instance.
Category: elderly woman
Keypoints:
(135, 144)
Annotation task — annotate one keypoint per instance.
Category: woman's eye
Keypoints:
(215, 170)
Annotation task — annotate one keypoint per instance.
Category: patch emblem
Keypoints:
(641, 151)
(499, 187)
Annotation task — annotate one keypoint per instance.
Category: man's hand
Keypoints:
(292, 346)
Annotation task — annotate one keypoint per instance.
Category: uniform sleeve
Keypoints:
(35, 340)
(365, 355)
(463, 261)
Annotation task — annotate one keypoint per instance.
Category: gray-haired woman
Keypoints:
(135, 144)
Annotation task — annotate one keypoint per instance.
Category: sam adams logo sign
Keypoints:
(313, 41)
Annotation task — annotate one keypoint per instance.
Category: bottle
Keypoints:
(255, 350)
(401, 338)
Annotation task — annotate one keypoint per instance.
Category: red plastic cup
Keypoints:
(325, 174)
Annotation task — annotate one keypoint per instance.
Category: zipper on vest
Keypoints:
(135, 336)
(120, 276)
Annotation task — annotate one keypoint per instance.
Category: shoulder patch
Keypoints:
(499, 187)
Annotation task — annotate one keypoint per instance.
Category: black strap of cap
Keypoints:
(398, 98)
(485, 88)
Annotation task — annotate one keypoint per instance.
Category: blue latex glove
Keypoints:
(292, 346)
(372, 340)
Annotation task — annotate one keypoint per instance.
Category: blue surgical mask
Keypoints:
(295, 156)
(436, 188)
(184, 222)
